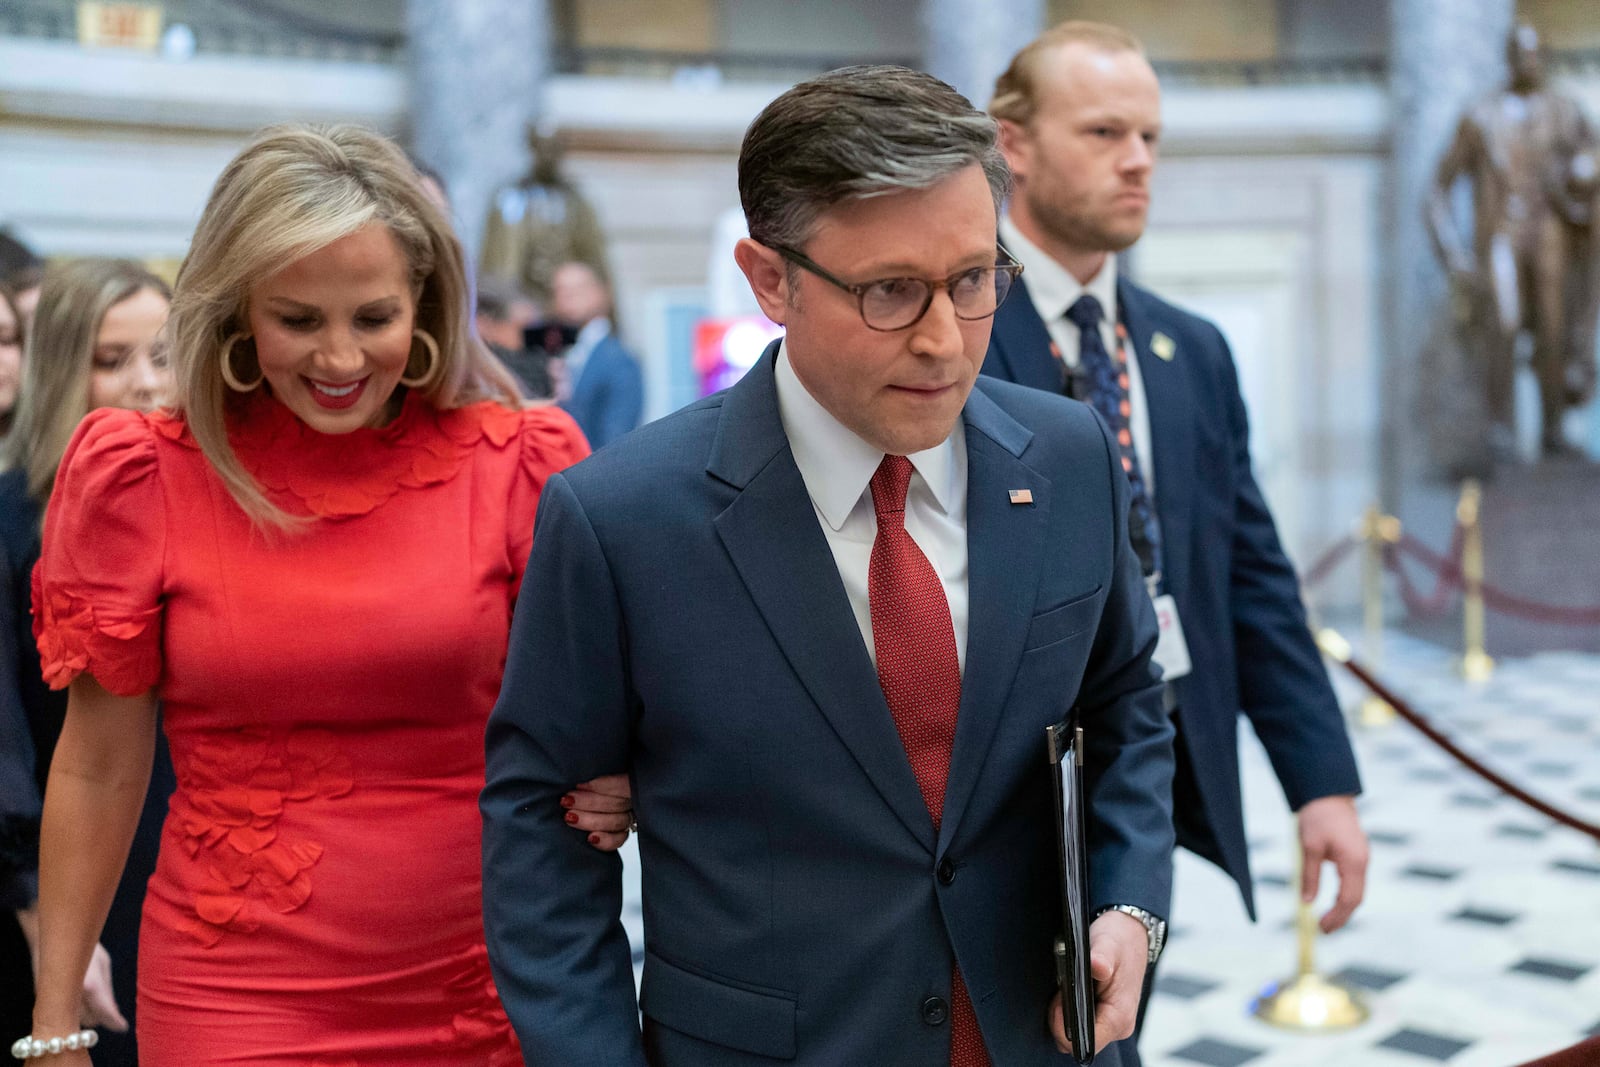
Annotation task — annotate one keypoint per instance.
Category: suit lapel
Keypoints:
(1005, 551)
(593, 370)
(771, 533)
(1172, 431)
(1022, 344)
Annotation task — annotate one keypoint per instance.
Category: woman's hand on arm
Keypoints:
(603, 809)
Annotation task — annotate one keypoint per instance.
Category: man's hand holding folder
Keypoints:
(1118, 950)
(1101, 987)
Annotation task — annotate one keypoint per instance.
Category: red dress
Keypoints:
(318, 894)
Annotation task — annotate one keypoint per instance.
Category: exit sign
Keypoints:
(120, 26)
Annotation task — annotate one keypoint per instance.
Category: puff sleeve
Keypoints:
(550, 442)
(97, 586)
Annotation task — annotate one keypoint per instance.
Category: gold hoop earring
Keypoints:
(226, 366)
(426, 377)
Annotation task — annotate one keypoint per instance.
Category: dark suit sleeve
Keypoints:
(619, 410)
(1283, 686)
(552, 904)
(1127, 737)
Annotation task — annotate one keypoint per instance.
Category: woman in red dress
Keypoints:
(312, 563)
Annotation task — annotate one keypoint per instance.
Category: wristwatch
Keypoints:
(1155, 928)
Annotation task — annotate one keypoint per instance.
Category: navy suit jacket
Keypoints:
(608, 397)
(1237, 594)
(682, 615)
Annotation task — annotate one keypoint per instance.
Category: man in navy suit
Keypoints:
(607, 395)
(826, 617)
(1080, 120)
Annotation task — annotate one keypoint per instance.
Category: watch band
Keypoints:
(1155, 928)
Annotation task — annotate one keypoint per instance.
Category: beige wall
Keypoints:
(1190, 30)
(1193, 29)
(1564, 24)
(667, 25)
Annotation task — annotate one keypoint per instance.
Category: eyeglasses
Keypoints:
(896, 303)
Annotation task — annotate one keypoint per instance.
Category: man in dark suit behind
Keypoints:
(826, 617)
(1080, 120)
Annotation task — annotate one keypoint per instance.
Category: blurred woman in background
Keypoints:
(10, 360)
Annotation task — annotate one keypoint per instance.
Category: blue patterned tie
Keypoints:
(1108, 394)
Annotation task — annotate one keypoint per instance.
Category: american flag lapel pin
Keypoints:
(1021, 496)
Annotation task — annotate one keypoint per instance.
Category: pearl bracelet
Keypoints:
(31, 1047)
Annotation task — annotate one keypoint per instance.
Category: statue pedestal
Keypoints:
(1540, 544)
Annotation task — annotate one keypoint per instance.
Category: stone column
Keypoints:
(1443, 55)
(969, 42)
(476, 75)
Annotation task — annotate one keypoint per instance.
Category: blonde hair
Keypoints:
(59, 358)
(1016, 91)
(293, 191)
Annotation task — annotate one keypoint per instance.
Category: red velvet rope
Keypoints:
(1585, 1053)
(1335, 555)
(1447, 574)
(1494, 598)
(1428, 730)
(1448, 579)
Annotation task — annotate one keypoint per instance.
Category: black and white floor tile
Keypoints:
(1479, 941)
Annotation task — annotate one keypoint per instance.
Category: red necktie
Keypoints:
(921, 678)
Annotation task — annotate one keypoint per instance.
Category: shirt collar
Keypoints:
(1051, 286)
(836, 464)
(593, 332)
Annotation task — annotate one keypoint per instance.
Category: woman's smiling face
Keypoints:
(332, 330)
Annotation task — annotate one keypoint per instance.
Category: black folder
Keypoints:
(1065, 746)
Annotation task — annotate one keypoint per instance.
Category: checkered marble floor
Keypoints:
(1479, 942)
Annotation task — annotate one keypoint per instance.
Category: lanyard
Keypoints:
(1075, 383)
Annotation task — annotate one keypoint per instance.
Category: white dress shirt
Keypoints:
(594, 331)
(1053, 290)
(837, 467)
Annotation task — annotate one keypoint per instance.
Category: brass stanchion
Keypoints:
(1377, 532)
(1308, 1001)
(1476, 664)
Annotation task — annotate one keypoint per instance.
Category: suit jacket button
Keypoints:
(946, 871)
(935, 1011)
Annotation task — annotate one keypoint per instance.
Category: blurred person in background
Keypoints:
(311, 559)
(19, 796)
(607, 386)
(95, 343)
(504, 314)
(432, 184)
(1080, 124)
(10, 360)
(20, 273)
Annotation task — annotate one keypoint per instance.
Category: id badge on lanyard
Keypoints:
(1172, 651)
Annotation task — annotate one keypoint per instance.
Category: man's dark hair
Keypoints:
(496, 296)
(20, 268)
(858, 132)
